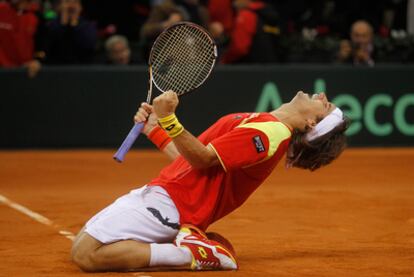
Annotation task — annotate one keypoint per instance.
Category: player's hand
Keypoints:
(165, 104)
(146, 114)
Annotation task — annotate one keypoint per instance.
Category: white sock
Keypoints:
(168, 254)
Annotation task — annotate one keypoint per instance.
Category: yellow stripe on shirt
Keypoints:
(276, 132)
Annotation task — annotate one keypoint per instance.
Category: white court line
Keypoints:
(38, 217)
(44, 220)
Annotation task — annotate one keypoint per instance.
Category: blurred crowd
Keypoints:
(64, 32)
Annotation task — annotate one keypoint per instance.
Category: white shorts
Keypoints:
(146, 214)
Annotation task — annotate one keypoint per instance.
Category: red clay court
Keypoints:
(353, 218)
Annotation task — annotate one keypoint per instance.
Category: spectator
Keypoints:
(360, 50)
(71, 38)
(255, 34)
(169, 12)
(161, 16)
(118, 51)
(221, 20)
(393, 17)
(195, 10)
(221, 12)
(18, 26)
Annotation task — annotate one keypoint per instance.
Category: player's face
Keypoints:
(316, 106)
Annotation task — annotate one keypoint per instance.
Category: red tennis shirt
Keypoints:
(248, 145)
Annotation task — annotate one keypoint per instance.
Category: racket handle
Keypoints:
(128, 142)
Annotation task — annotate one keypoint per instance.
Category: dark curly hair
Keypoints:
(319, 152)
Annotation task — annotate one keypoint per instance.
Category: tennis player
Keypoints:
(162, 223)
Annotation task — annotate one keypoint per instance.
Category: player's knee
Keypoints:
(84, 261)
(84, 256)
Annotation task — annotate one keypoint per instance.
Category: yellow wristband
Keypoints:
(171, 125)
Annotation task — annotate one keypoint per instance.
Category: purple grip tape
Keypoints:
(128, 142)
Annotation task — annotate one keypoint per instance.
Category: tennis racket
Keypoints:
(181, 59)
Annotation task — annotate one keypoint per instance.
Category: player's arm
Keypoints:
(154, 132)
(196, 153)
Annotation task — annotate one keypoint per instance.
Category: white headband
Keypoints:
(326, 125)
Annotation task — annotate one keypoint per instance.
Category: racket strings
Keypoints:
(182, 59)
(202, 60)
(171, 57)
(175, 79)
(199, 56)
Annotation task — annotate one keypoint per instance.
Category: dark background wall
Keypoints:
(94, 106)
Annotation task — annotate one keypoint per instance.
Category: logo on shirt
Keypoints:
(258, 143)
